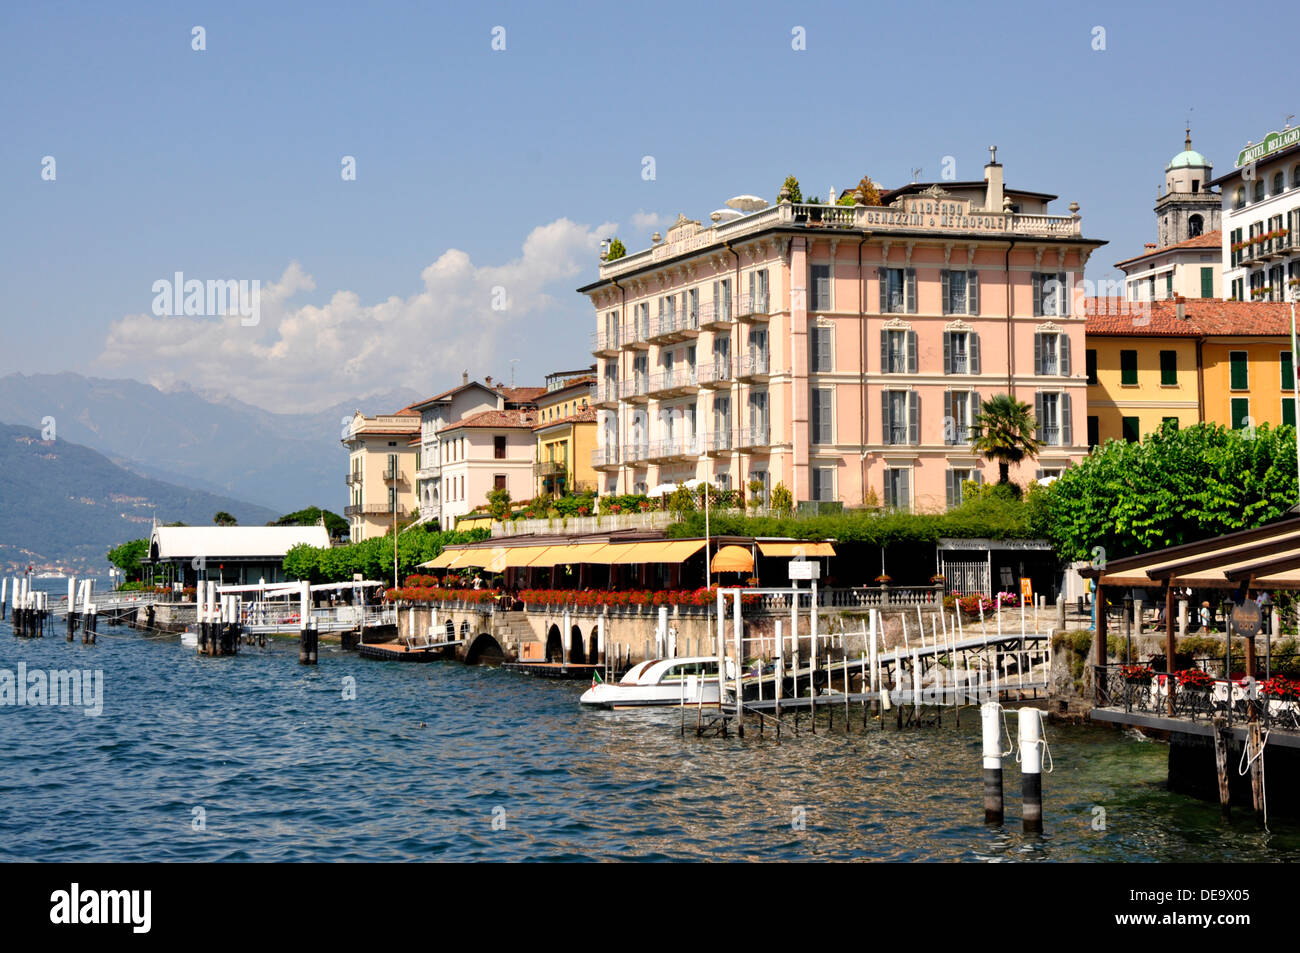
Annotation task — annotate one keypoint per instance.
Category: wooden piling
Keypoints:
(1221, 735)
(1254, 751)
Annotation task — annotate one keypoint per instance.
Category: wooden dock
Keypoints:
(401, 652)
(570, 670)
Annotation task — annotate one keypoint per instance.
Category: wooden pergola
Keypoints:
(1267, 558)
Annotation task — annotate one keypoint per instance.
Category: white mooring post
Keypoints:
(661, 632)
(990, 722)
(1031, 767)
(780, 666)
(4, 596)
(736, 630)
(600, 641)
(567, 622)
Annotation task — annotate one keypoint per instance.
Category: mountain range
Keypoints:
(283, 462)
(62, 504)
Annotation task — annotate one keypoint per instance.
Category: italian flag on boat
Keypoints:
(595, 678)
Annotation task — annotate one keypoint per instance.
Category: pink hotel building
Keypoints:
(842, 349)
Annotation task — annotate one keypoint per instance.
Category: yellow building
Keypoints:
(1225, 362)
(566, 435)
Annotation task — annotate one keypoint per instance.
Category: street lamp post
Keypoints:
(1295, 377)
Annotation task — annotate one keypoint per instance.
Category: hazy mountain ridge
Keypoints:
(65, 504)
(220, 444)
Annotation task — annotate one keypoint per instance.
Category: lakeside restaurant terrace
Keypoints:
(1234, 690)
(639, 561)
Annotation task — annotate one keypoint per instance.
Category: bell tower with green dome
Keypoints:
(1186, 207)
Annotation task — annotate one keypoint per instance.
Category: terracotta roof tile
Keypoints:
(1203, 316)
(1212, 239)
(521, 395)
(495, 420)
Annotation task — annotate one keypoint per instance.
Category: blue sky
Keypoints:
(478, 168)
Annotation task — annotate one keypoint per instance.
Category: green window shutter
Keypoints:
(1288, 372)
(1288, 411)
(1169, 367)
(1207, 282)
(1132, 429)
(1169, 284)
(1239, 378)
(1128, 367)
(1240, 411)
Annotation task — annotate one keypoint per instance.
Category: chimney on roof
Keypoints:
(1150, 244)
(488, 380)
(993, 182)
(464, 377)
(1180, 307)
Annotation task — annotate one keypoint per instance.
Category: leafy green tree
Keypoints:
(127, 557)
(310, 516)
(791, 185)
(616, 250)
(499, 504)
(1004, 431)
(681, 501)
(866, 192)
(1176, 486)
(782, 500)
(222, 518)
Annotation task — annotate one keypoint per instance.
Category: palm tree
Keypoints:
(1004, 431)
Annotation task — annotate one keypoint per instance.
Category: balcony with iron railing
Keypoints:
(635, 389)
(604, 457)
(353, 479)
(721, 440)
(606, 343)
(605, 395)
(549, 468)
(719, 373)
(752, 366)
(636, 453)
(752, 307)
(674, 448)
(367, 509)
(714, 318)
(636, 333)
(754, 437)
(1051, 436)
(677, 381)
(392, 475)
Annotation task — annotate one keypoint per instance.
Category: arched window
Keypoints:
(1195, 226)
(1295, 176)
(1279, 183)
(1259, 190)
(1239, 200)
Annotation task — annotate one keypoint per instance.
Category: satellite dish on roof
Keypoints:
(747, 203)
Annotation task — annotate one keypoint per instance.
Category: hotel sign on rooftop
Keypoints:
(1273, 142)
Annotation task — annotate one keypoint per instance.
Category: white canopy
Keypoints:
(249, 542)
(747, 203)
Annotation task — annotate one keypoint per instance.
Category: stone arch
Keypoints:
(485, 650)
(1195, 226)
(450, 629)
(593, 646)
(576, 654)
(464, 630)
(554, 645)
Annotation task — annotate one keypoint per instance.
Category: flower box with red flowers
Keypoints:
(1137, 674)
(1279, 687)
(1194, 678)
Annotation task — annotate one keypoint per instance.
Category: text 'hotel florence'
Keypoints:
(842, 350)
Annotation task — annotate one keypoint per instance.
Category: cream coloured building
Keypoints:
(383, 453)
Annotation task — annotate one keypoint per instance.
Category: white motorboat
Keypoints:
(189, 637)
(661, 682)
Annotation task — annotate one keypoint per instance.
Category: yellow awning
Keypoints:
(477, 522)
(522, 556)
(733, 559)
(570, 553)
(444, 560)
(656, 551)
(790, 550)
(496, 559)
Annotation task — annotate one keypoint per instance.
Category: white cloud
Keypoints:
(303, 357)
(646, 220)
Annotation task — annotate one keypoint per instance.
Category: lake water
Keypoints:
(446, 762)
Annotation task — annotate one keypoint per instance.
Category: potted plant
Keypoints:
(1194, 680)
